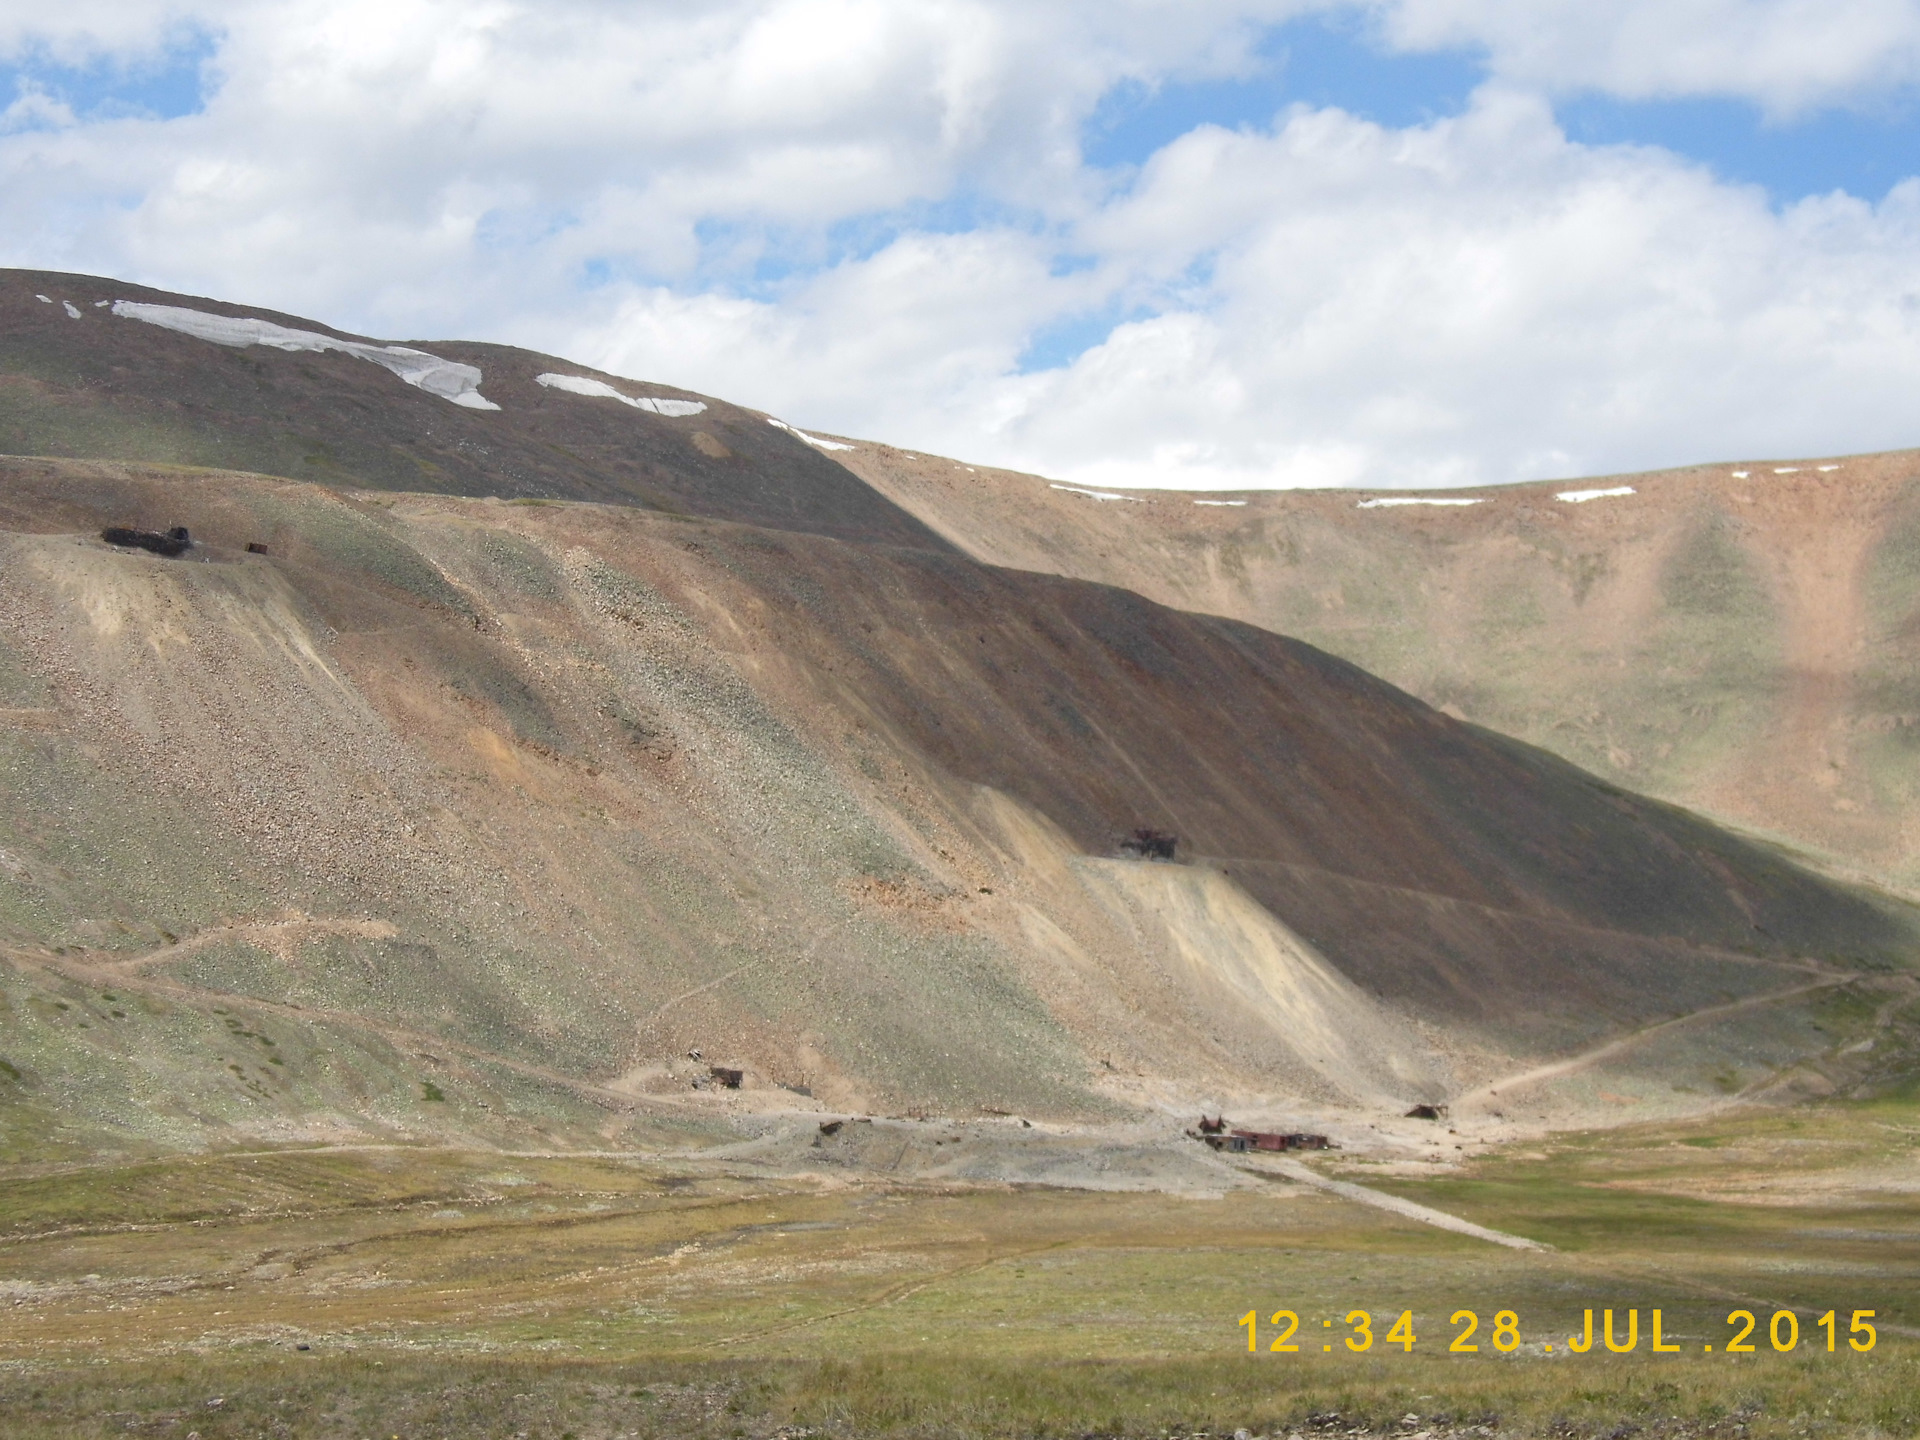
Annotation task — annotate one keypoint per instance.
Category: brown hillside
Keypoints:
(1741, 639)
(576, 790)
(109, 387)
(453, 813)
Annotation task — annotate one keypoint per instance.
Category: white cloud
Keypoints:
(1474, 301)
(34, 109)
(1784, 55)
(1324, 301)
(80, 31)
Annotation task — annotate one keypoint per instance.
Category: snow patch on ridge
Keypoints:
(810, 439)
(73, 310)
(1580, 497)
(1096, 494)
(1386, 500)
(582, 385)
(450, 380)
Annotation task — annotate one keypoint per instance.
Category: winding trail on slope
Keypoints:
(400, 1036)
(265, 933)
(1789, 965)
(1610, 1048)
(626, 1082)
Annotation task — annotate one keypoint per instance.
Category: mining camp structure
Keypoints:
(1215, 1134)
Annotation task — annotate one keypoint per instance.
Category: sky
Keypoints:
(1193, 243)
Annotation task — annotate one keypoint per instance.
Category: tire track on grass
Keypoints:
(1406, 1209)
(901, 1291)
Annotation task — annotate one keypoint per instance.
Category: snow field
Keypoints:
(1580, 497)
(810, 439)
(582, 385)
(1095, 494)
(1384, 501)
(459, 384)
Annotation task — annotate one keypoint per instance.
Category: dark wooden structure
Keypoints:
(174, 542)
(1146, 844)
(1238, 1141)
(1215, 1134)
(1295, 1140)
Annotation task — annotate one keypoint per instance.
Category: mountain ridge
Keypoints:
(1735, 638)
(79, 389)
(589, 789)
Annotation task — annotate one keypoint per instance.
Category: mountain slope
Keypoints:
(78, 378)
(458, 814)
(1741, 639)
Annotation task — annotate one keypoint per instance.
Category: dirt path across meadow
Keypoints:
(1408, 1209)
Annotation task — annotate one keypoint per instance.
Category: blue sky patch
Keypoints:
(1330, 62)
(763, 260)
(167, 86)
(1863, 153)
(964, 211)
(1061, 342)
(1319, 62)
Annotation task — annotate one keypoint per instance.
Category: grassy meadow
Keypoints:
(418, 1292)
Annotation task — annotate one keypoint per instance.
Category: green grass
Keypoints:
(915, 1395)
(458, 1293)
(1798, 1209)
